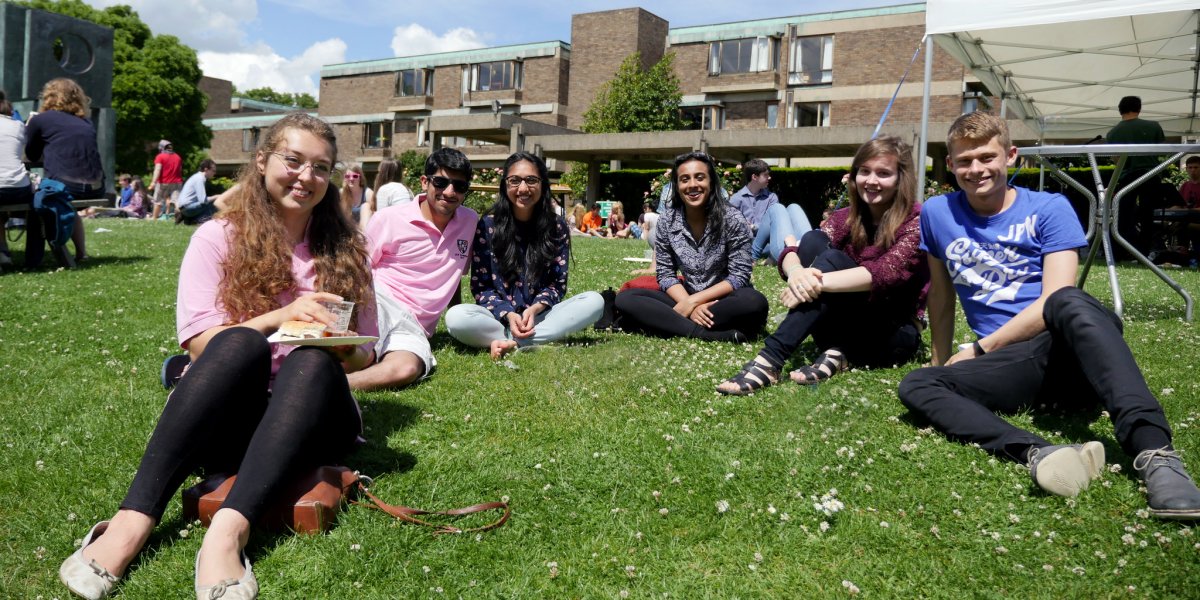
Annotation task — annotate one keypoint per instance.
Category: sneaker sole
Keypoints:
(1178, 514)
(1063, 473)
(1092, 454)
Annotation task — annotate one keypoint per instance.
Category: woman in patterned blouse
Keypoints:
(702, 263)
(858, 284)
(519, 269)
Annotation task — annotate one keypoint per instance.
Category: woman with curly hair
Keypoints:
(702, 263)
(519, 269)
(62, 139)
(858, 283)
(264, 411)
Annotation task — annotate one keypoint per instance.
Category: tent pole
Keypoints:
(922, 147)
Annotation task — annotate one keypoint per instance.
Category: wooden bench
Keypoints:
(60, 253)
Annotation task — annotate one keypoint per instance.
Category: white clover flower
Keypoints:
(722, 506)
(850, 587)
(824, 526)
(663, 511)
(358, 548)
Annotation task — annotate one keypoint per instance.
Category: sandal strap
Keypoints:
(763, 376)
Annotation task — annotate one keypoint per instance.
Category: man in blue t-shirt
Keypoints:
(1010, 255)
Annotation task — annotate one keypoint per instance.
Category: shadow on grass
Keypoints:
(49, 264)
(376, 458)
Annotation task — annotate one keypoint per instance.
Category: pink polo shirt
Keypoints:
(416, 264)
(198, 307)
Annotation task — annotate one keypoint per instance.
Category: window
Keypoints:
(503, 75)
(772, 115)
(812, 114)
(702, 117)
(249, 139)
(414, 82)
(747, 55)
(377, 135)
(812, 60)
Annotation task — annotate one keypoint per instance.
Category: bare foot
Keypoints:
(123, 539)
(221, 552)
(501, 347)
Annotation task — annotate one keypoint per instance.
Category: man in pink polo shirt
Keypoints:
(419, 252)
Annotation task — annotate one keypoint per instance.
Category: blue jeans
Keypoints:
(778, 223)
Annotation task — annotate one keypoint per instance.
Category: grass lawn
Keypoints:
(628, 475)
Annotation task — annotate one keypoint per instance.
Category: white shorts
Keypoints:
(400, 330)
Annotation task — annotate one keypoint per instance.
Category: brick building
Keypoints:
(780, 88)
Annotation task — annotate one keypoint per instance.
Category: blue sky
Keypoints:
(283, 44)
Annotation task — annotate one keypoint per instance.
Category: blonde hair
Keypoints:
(978, 127)
(347, 200)
(65, 95)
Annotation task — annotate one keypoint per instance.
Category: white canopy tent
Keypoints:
(1062, 65)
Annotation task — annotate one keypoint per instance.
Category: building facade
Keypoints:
(810, 77)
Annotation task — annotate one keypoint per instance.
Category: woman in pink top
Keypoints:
(261, 410)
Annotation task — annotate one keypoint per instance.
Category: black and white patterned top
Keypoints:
(717, 256)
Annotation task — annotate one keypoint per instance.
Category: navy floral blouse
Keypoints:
(717, 256)
(501, 297)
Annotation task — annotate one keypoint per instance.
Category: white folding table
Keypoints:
(1104, 213)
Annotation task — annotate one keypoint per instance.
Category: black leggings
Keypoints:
(222, 418)
(845, 321)
(737, 317)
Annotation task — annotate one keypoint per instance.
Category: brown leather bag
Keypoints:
(310, 505)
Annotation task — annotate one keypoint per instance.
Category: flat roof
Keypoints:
(440, 59)
(777, 25)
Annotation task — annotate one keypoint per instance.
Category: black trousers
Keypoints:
(742, 313)
(1080, 360)
(221, 418)
(844, 321)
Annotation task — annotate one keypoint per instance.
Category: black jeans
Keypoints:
(1081, 359)
(845, 321)
(221, 418)
(739, 316)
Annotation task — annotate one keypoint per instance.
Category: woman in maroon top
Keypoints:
(858, 284)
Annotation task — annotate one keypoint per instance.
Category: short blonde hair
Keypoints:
(65, 95)
(978, 127)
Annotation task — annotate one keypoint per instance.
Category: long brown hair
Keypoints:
(902, 203)
(258, 267)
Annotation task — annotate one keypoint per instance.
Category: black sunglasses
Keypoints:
(460, 185)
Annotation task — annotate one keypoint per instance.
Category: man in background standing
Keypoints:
(1136, 213)
(167, 179)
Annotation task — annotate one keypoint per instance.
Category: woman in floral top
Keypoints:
(858, 284)
(702, 263)
(519, 269)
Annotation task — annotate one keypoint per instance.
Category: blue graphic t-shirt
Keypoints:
(995, 262)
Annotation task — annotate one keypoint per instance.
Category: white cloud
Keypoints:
(413, 39)
(211, 25)
(261, 66)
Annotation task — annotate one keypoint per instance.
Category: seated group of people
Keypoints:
(857, 285)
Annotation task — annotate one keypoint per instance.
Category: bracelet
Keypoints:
(779, 260)
(978, 348)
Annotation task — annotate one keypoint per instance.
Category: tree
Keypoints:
(155, 85)
(266, 94)
(636, 99)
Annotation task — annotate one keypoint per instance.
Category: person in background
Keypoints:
(701, 238)
(617, 226)
(355, 194)
(63, 140)
(124, 191)
(15, 187)
(388, 191)
(1136, 218)
(519, 269)
(195, 206)
(592, 222)
(769, 220)
(1190, 190)
(858, 284)
(167, 179)
(264, 411)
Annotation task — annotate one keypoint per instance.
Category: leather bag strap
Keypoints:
(405, 513)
